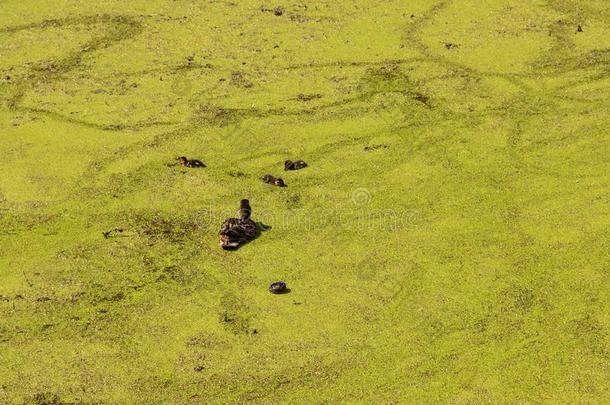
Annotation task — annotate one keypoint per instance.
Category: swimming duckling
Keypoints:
(235, 232)
(278, 287)
(290, 165)
(276, 181)
(193, 163)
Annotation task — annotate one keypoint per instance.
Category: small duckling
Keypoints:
(276, 181)
(278, 287)
(290, 165)
(235, 232)
(193, 163)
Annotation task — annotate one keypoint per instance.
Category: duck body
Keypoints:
(296, 165)
(275, 181)
(192, 163)
(236, 232)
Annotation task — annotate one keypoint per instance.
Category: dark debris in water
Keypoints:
(167, 226)
(239, 79)
(294, 201)
(308, 97)
(375, 147)
(46, 398)
(235, 321)
(422, 98)
(238, 174)
(112, 232)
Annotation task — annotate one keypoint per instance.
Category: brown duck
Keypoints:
(235, 232)
(296, 165)
(193, 163)
(276, 181)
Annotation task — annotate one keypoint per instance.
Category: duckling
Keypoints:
(235, 232)
(278, 287)
(290, 165)
(193, 163)
(276, 181)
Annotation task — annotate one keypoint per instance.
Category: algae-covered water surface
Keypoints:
(447, 242)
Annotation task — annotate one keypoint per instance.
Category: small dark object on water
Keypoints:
(296, 165)
(108, 234)
(278, 11)
(278, 287)
(449, 45)
(238, 174)
(193, 163)
(422, 98)
(276, 181)
(375, 147)
(235, 232)
(579, 29)
(308, 97)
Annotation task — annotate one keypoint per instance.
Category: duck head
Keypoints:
(182, 160)
(227, 243)
(244, 209)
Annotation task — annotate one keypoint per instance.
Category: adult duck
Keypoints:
(236, 232)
